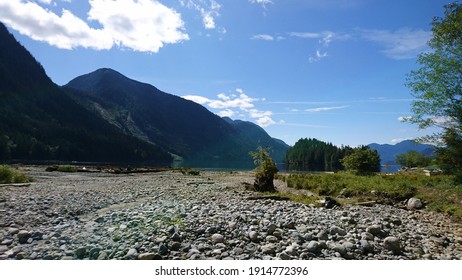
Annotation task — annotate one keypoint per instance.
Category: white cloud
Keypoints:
(404, 119)
(226, 113)
(261, 2)
(143, 25)
(265, 121)
(198, 99)
(323, 109)
(264, 37)
(259, 114)
(305, 35)
(209, 11)
(318, 56)
(398, 140)
(48, 2)
(401, 44)
(238, 104)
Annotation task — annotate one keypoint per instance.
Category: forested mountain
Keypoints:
(388, 152)
(107, 117)
(257, 136)
(178, 125)
(316, 155)
(38, 121)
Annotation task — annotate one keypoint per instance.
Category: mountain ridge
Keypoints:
(389, 152)
(180, 126)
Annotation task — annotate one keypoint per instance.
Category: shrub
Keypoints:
(363, 161)
(9, 176)
(265, 172)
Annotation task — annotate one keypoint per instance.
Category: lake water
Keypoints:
(207, 165)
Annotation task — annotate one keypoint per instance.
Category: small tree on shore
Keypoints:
(266, 169)
(413, 159)
(362, 161)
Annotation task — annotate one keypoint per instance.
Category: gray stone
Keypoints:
(340, 248)
(337, 230)
(163, 250)
(176, 237)
(322, 235)
(80, 252)
(348, 245)
(102, 256)
(271, 239)
(23, 236)
(218, 238)
(367, 236)
(3, 248)
(393, 244)
(375, 230)
(414, 204)
(146, 256)
(94, 253)
(291, 250)
(131, 252)
(313, 247)
(271, 229)
(366, 247)
(13, 230)
(253, 235)
(7, 242)
(278, 233)
(284, 256)
(268, 249)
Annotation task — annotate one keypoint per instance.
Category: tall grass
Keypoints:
(10, 176)
(440, 193)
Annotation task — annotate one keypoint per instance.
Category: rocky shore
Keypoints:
(170, 215)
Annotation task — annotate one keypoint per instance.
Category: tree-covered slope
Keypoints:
(38, 121)
(180, 126)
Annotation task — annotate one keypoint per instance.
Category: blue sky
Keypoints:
(327, 69)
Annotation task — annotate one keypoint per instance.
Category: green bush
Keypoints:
(363, 161)
(10, 176)
(265, 172)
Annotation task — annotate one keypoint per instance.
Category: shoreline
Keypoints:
(170, 215)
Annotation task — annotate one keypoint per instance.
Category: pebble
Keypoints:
(160, 216)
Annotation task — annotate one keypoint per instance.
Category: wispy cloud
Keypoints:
(209, 10)
(324, 37)
(236, 104)
(124, 24)
(263, 3)
(404, 43)
(317, 57)
(323, 109)
(263, 37)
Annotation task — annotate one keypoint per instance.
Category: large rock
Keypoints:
(414, 204)
(217, 238)
(375, 230)
(23, 236)
(393, 244)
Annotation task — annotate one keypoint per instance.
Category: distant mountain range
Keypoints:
(388, 152)
(105, 116)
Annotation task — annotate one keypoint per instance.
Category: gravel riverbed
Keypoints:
(168, 215)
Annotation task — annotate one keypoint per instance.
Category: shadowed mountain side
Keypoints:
(39, 121)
